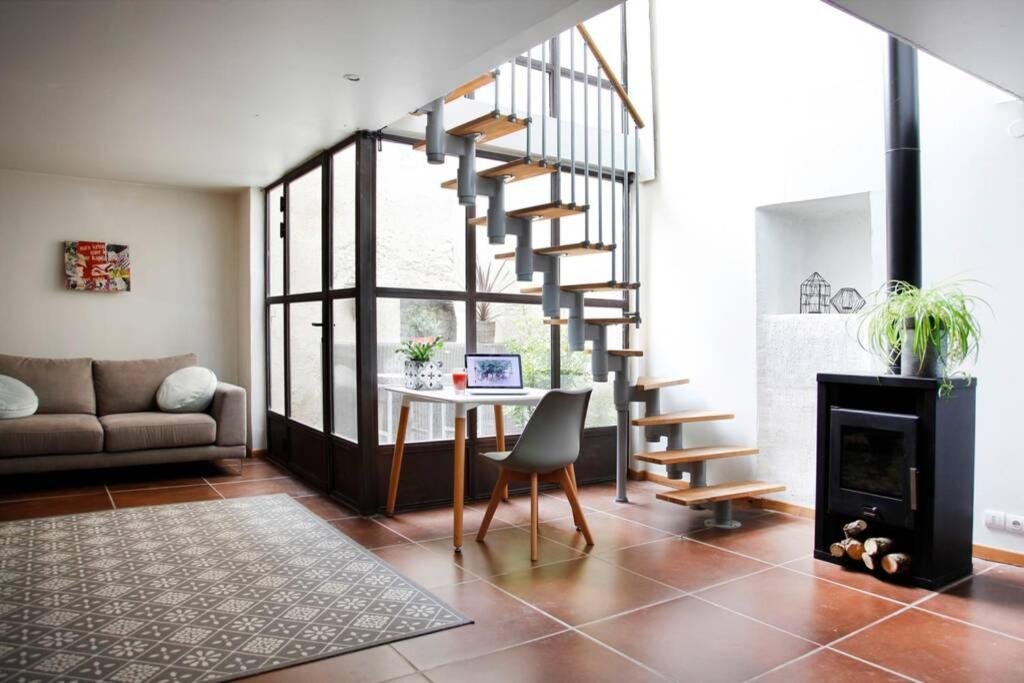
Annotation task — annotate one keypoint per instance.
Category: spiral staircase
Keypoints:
(564, 303)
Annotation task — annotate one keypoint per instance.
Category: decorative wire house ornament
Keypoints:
(815, 294)
(847, 300)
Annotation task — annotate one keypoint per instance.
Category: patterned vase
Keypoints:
(423, 375)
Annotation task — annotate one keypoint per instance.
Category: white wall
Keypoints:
(184, 273)
(251, 354)
(973, 216)
(791, 108)
(778, 115)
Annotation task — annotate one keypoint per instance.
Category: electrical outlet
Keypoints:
(994, 519)
(1015, 524)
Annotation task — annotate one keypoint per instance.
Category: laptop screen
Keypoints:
(494, 371)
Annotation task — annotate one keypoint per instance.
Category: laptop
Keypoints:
(494, 374)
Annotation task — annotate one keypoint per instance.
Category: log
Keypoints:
(854, 549)
(855, 528)
(869, 561)
(878, 546)
(838, 549)
(895, 563)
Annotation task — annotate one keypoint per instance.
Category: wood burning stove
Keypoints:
(894, 454)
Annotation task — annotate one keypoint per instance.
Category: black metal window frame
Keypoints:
(366, 290)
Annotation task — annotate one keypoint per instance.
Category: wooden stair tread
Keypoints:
(547, 211)
(626, 353)
(648, 383)
(513, 171)
(490, 126)
(609, 286)
(719, 492)
(466, 88)
(594, 287)
(681, 417)
(541, 212)
(592, 321)
(694, 454)
(576, 249)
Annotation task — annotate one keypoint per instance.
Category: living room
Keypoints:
(537, 345)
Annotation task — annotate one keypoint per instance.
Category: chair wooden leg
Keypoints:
(574, 503)
(493, 504)
(533, 516)
(571, 469)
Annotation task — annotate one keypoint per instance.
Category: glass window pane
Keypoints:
(276, 326)
(514, 328)
(275, 241)
(404, 319)
(344, 235)
(421, 228)
(345, 395)
(304, 356)
(304, 233)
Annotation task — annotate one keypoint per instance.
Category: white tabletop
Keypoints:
(466, 400)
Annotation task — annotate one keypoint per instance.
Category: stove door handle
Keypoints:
(913, 488)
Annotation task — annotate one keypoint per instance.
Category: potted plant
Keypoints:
(931, 331)
(489, 281)
(420, 371)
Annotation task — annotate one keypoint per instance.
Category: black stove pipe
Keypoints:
(902, 164)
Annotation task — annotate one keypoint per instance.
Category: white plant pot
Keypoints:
(423, 375)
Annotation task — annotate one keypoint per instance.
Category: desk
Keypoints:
(463, 402)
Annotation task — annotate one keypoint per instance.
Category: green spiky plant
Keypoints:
(943, 319)
(420, 351)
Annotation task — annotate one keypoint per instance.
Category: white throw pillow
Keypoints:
(189, 390)
(16, 399)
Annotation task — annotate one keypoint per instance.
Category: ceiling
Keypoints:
(235, 92)
(983, 37)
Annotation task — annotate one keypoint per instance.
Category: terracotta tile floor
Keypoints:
(660, 597)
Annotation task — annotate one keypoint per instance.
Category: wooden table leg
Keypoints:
(499, 437)
(460, 478)
(396, 458)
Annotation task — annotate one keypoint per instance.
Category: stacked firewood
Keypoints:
(874, 552)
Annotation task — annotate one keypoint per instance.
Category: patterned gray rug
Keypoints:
(207, 591)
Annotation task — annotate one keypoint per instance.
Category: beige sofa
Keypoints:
(104, 414)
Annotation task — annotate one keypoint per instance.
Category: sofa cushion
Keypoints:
(140, 431)
(50, 435)
(63, 385)
(130, 386)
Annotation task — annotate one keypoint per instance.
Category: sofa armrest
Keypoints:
(228, 410)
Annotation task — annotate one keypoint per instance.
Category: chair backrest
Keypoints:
(553, 436)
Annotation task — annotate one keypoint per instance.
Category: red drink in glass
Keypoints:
(459, 379)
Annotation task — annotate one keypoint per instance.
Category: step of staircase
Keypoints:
(591, 287)
(681, 417)
(626, 353)
(513, 171)
(591, 321)
(576, 249)
(541, 212)
(694, 454)
(648, 383)
(702, 495)
(466, 88)
(489, 127)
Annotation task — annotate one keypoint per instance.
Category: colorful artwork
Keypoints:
(97, 267)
